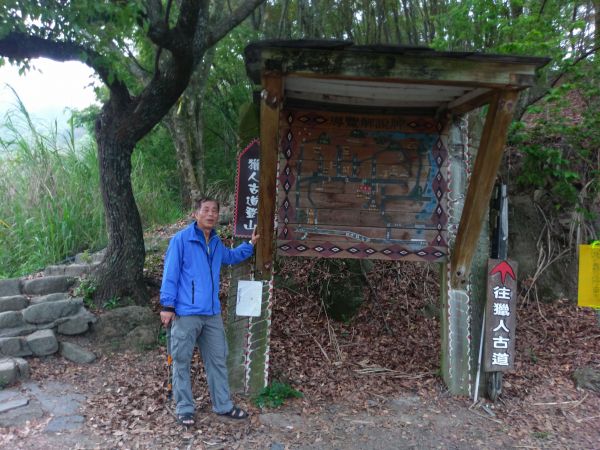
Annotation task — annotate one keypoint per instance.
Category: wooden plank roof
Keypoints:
(384, 76)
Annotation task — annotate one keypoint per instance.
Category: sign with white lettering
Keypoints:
(501, 315)
(246, 190)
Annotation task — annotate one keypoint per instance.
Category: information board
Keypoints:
(362, 186)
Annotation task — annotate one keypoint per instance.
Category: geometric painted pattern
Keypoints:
(293, 139)
(330, 249)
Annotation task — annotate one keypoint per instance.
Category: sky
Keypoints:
(49, 90)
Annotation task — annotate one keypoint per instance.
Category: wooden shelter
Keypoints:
(365, 154)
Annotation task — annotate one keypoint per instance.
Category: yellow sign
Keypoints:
(589, 275)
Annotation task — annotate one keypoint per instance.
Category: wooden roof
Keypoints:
(383, 76)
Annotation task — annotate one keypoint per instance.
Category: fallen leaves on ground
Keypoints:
(389, 350)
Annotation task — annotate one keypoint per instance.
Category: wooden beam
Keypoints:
(480, 188)
(271, 101)
(472, 100)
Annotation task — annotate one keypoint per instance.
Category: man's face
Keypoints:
(207, 215)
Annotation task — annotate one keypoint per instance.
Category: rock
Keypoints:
(71, 270)
(17, 331)
(13, 303)
(47, 285)
(50, 311)
(89, 258)
(9, 287)
(587, 378)
(50, 298)
(77, 324)
(76, 353)
(113, 327)
(13, 404)
(14, 346)
(42, 342)
(20, 416)
(11, 319)
(11, 370)
(22, 367)
(8, 372)
(142, 336)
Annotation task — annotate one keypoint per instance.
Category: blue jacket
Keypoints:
(190, 281)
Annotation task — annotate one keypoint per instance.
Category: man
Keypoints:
(189, 296)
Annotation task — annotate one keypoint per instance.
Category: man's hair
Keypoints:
(198, 203)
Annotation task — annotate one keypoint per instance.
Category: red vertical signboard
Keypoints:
(500, 315)
(246, 190)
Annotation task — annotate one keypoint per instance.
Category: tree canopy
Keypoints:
(104, 35)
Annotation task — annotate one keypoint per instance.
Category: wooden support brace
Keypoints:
(271, 100)
(479, 192)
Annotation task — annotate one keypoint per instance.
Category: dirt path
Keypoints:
(119, 402)
(54, 419)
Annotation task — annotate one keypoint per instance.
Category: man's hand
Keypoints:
(255, 237)
(166, 317)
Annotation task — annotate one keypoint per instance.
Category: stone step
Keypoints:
(47, 285)
(14, 346)
(11, 319)
(50, 298)
(87, 258)
(48, 312)
(9, 287)
(13, 303)
(42, 342)
(17, 331)
(11, 370)
(71, 270)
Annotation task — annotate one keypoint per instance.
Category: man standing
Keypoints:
(189, 296)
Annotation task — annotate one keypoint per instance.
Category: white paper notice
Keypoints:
(249, 298)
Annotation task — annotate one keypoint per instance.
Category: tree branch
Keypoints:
(221, 29)
(19, 46)
(557, 77)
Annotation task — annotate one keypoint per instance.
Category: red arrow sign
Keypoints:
(503, 269)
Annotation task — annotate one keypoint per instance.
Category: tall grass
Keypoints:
(50, 204)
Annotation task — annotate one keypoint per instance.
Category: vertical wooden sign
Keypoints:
(246, 190)
(500, 315)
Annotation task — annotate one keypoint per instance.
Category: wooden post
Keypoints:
(271, 100)
(455, 304)
(480, 188)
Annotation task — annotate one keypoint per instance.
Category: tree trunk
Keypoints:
(182, 129)
(186, 127)
(121, 272)
(597, 25)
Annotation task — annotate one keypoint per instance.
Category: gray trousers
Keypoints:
(208, 334)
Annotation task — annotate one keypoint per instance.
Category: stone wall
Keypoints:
(35, 312)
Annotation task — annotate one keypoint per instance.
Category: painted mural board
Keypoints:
(500, 315)
(246, 190)
(362, 186)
